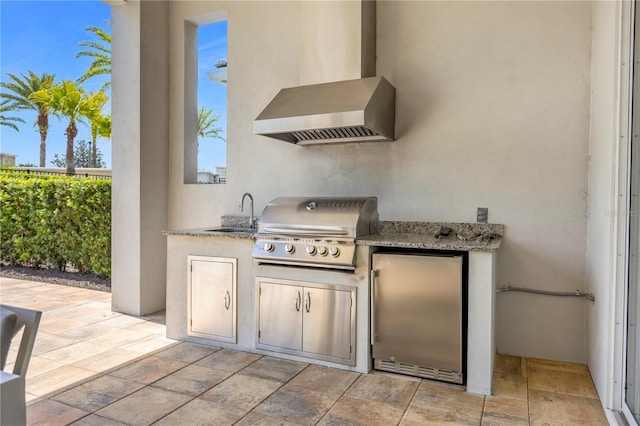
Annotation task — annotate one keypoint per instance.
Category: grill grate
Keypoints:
(335, 133)
(419, 371)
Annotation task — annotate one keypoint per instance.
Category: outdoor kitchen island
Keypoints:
(232, 252)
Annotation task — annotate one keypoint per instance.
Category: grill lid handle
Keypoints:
(306, 231)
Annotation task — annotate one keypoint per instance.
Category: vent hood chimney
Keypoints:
(341, 100)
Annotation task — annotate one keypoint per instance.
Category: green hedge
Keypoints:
(55, 221)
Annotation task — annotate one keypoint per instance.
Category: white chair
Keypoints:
(12, 385)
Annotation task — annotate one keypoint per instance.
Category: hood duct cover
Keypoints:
(361, 110)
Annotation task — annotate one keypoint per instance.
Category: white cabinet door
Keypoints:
(326, 323)
(212, 298)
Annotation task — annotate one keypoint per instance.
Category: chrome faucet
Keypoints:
(252, 220)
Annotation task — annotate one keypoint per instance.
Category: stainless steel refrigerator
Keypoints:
(417, 315)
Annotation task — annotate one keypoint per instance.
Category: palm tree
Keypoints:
(98, 121)
(20, 91)
(100, 52)
(69, 100)
(103, 125)
(8, 121)
(206, 123)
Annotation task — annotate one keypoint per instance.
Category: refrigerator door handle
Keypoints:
(374, 333)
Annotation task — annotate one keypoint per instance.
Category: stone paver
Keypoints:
(92, 366)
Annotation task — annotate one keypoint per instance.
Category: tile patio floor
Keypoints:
(91, 366)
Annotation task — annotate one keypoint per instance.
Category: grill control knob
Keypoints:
(322, 251)
(334, 251)
(289, 248)
(311, 250)
(269, 247)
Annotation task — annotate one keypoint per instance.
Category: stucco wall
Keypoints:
(140, 105)
(492, 111)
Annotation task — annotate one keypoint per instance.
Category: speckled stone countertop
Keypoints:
(422, 235)
(418, 235)
(210, 231)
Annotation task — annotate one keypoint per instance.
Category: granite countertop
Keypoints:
(210, 231)
(418, 235)
(422, 235)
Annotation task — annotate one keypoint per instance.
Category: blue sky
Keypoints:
(212, 47)
(43, 36)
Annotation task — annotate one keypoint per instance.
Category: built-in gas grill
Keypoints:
(314, 232)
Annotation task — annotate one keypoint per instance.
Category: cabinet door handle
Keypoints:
(307, 302)
(298, 301)
(227, 300)
(374, 333)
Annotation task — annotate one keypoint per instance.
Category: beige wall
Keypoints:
(492, 111)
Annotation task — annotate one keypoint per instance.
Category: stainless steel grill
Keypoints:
(317, 232)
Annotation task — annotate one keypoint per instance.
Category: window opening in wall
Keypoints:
(205, 99)
(212, 102)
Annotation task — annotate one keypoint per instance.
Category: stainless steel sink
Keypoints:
(230, 229)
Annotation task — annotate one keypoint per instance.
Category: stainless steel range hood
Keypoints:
(359, 107)
(361, 110)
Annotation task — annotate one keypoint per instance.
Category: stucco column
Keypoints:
(140, 111)
(481, 323)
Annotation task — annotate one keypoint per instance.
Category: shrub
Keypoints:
(55, 221)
